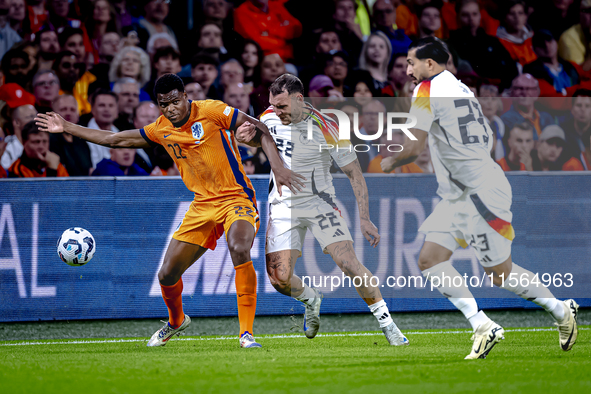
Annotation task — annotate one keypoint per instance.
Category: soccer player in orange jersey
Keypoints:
(198, 136)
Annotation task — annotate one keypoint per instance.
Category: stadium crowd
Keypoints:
(96, 62)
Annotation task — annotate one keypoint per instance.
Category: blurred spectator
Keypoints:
(58, 20)
(37, 160)
(271, 68)
(210, 38)
(31, 50)
(204, 71)
(8, 37)
(123, 17)
(231, 73)
(514, 33)
(487, 56)
(554, 15)
(160, 40)
(449, 16)
(121, 163)
(166, 60)
(370, 119)
(108, 47)
(407, 17)
(396, 75)
(104, 112)
(250, 59)
(384, 15)
(46, 87)
(73, 79)
(336, 67)
(130, 62)
(146, 113)
(491, 104)
(74, 152)
(72, 39)
(101, 20)
(15, 64)
(375, 56)
(578, 129)
(269, 24)
(194, 91)
(520, 144)
(37, 14)
(156, 12)
(429, 18)
(574, 42)
(525, 92)
(363, 87)
(128, 94)
(328, 40)
(49, 47)
(18, 18)
(219, 12)
(3, 173)
(321, 86)
(236, 96)
(546, 157)
(556, 76)
(350, 35)
(21, 115)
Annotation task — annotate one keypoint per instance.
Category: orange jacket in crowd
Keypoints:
(19, 170)
(270, 30)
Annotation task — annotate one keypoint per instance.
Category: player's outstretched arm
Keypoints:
(369, 230)
(410, 151)
(283, 176)
(54, 123)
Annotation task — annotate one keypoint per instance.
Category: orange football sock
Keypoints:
(174, 302)
(246, 295)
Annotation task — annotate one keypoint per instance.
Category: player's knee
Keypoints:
(426, 262)
(239, 251)
(168, 276)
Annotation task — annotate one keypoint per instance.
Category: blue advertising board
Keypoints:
(132, 221)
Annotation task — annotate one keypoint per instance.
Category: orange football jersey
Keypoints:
(205, 151)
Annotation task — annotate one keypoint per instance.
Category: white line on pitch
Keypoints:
(223, 338)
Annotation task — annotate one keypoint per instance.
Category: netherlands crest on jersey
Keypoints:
(197, 130)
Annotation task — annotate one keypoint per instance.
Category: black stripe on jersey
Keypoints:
(482, 209)
(455, 181)
(444, 132)
(323, 195)
(271, 185)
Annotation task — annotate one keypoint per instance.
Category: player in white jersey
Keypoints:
(313, 207)
(476, 197)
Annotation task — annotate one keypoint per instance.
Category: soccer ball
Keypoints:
(76, 246)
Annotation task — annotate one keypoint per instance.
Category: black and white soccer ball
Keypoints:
(76, 246)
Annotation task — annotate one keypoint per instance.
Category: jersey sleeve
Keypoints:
(220, 113)
(422, 106)
(344, 155)
(149, 133)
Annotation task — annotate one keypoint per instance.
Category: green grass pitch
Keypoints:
(529, 360)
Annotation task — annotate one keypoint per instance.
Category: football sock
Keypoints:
(460, 296)
(380, 311)
(307, 295)
(246, 295)
(174, 302)
(534, 292)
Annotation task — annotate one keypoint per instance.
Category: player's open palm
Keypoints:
(370, 232)
(50, 122)
(292, 180)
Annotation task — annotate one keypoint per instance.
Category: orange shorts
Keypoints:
(205, 222)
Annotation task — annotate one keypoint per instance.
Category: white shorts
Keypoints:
(287, 226)
(481, 220)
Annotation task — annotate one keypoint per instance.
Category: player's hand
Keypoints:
(370, 232)
(51, 159)
(288, 178)
(50, 122)
(246, 132)
(388, 164)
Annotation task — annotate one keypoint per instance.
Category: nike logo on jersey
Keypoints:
(167, 135)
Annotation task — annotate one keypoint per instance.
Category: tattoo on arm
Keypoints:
(355, 175)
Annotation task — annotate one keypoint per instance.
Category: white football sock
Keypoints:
(534, 292)
(460, 296)
(307, 295)
(381, 312)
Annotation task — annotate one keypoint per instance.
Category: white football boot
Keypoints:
(485, 337)
(312, 315)
(162, 336)
(247, 341)
(568, 330)
(394, 336)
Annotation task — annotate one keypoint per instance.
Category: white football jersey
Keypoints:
(460, 139)
(304, 156)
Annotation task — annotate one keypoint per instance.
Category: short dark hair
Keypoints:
(430, 48)
(30, 129)
(581, 93)
(431, 4)
(102, 92)
(165, 51)
(14, 54)
(526, 126)
(287, 82)
(461, 3)
(506, 6)
(67, 33)
(167, 83)
(204, 58)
